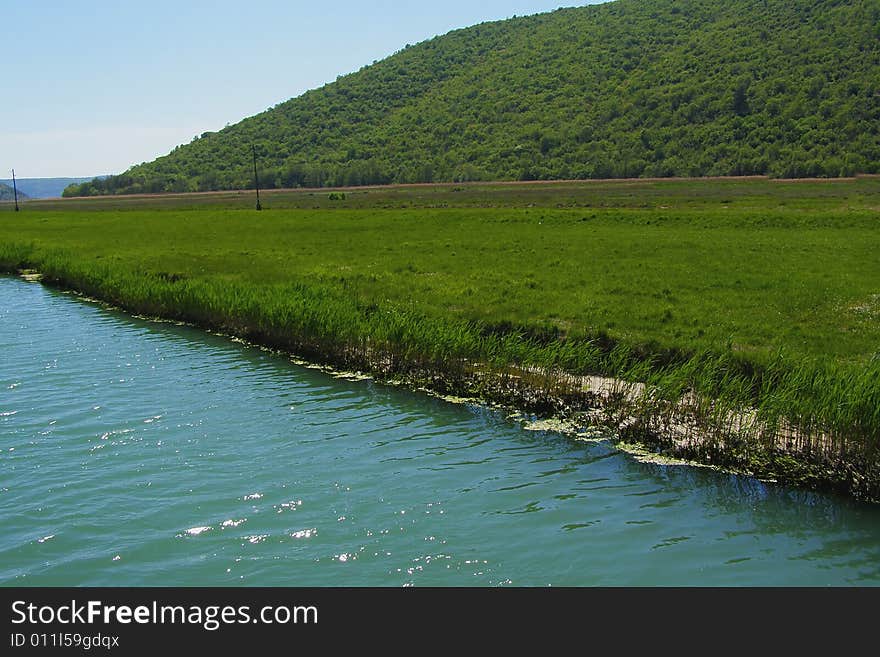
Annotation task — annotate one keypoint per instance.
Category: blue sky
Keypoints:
(93, 88)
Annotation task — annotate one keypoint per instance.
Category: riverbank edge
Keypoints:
(578, 407)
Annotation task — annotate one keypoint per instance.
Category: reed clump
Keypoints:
(807, 421)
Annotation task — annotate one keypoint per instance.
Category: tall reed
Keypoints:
(811, 421)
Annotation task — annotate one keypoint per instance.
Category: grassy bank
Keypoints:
(750, 309)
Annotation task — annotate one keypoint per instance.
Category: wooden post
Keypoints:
(256, 180)
(14, 190)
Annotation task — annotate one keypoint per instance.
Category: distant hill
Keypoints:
(7, 193)
(788, 88)
(44, 187)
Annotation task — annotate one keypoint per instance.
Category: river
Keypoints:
(139, 453)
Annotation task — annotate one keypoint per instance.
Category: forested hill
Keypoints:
(788, 88)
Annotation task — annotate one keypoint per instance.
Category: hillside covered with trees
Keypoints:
(786, 88)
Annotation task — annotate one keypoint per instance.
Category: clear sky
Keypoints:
(90, 88)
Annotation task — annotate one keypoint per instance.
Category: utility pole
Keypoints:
(256, 180)
(14, 190)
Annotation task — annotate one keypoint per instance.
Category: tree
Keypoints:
(740, 99)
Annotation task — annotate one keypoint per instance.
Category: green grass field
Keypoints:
(777, 284)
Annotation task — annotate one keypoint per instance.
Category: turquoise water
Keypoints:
(142, 453)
